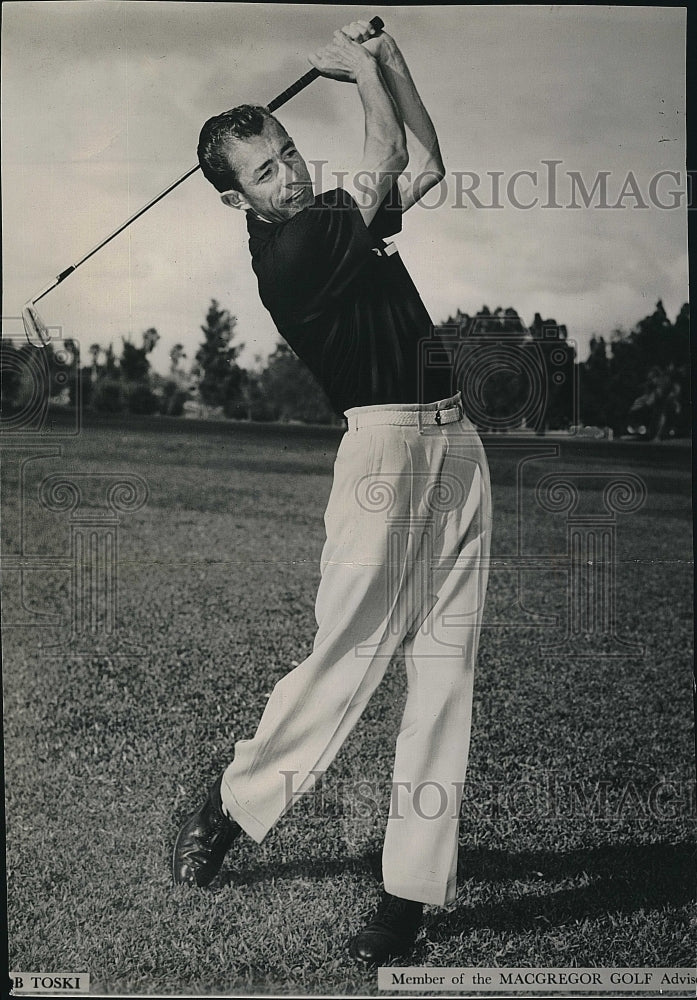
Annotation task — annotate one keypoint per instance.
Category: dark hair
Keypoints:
(242, 122)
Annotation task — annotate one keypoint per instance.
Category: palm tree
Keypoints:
(150, 338)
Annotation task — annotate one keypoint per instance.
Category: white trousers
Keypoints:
(405, 564)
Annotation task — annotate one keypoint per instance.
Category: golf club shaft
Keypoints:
(376, 23)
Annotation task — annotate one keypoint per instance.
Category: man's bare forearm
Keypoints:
(385, 153)
(425, 160)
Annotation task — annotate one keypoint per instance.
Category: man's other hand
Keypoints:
(380, 45)
(344, 58)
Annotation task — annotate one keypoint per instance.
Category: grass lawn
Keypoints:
(577, 836)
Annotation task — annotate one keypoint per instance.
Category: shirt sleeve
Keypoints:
(316, 254)
(388, 218)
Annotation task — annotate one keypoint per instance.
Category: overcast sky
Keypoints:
(102, 103)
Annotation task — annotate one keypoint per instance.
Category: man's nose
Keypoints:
(289, 174)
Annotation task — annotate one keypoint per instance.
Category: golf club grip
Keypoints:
(376, 22)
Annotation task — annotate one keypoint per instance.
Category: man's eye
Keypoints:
(264, 176)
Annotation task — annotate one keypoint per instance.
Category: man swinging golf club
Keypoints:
(408, 521)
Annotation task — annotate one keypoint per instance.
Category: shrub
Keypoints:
(173, 399)
(108, 396)
(142, 400)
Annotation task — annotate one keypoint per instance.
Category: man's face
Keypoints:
(272, 176)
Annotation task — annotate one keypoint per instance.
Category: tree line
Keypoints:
(511, 375)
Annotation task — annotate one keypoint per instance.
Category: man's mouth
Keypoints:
(297, 195)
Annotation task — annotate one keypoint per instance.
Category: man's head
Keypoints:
(251, 160)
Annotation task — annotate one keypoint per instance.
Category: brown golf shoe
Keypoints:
(391, 932)
(203, 841)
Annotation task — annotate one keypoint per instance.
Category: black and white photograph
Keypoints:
(346, 500)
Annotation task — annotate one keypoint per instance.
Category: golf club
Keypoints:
(34, 327)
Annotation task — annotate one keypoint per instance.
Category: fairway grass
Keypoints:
(577, 834)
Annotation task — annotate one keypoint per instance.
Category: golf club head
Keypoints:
(34, 326)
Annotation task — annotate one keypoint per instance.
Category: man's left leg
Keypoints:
(421, 842)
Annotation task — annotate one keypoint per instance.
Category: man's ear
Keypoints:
(234, 199)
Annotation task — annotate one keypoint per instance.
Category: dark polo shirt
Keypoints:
(347, 308)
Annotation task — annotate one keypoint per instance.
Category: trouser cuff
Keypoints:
(420, 889)
(250, 824)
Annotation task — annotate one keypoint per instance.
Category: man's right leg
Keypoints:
(359, 612)
(313, 708)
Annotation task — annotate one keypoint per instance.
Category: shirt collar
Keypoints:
(258, 229)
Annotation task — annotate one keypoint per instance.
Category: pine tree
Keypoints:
(221, 377)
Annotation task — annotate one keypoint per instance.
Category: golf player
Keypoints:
(408, 522)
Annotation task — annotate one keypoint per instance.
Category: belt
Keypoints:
(405, 418)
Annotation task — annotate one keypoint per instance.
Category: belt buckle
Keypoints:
(460, 413)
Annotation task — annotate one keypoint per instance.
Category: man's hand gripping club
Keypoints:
(385, 153)
(424, 156)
